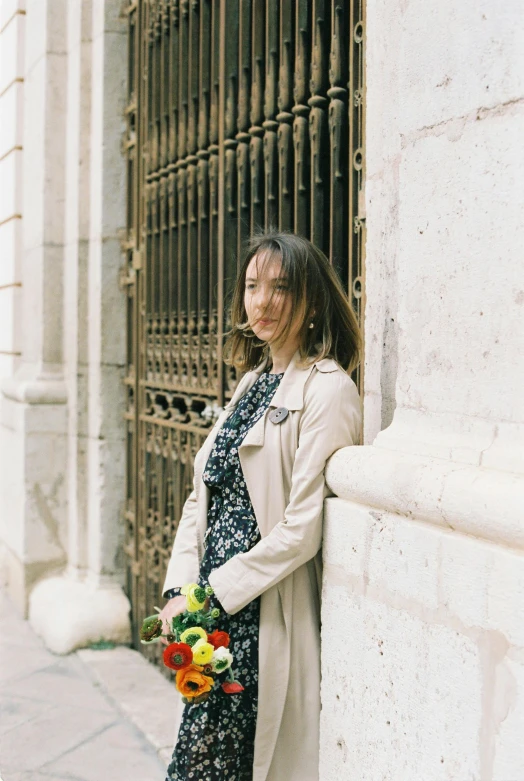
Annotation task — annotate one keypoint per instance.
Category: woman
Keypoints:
(252, 527)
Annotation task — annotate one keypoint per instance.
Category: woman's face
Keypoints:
(268, 300)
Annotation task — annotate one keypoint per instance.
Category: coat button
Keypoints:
(278, 415)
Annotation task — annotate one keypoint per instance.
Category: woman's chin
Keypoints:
(264, 334)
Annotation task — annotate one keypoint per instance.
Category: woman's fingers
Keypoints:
(173, 608)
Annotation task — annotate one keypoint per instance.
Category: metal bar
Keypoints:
(301, 113)
(230, 145)
(338, 139)
(318, 124)
(242, 136)
(204, 259)
(285, 118)
(221, 197)
(256, 130)
(270, 124)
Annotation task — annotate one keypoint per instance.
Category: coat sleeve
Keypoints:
(183, 565)
(330, 421)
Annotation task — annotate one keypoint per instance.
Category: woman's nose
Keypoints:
(263, 298)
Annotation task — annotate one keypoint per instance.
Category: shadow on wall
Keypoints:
(388, 372)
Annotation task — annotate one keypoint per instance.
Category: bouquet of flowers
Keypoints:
(198, 656)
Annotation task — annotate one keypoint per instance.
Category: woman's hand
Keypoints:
(173, 608)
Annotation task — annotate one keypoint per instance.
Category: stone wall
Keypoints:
(423, 652)
(62, 435)
(12, 35)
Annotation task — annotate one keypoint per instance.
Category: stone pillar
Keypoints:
(12, 36)
(424, 571)
(33, 404)
(88, 596)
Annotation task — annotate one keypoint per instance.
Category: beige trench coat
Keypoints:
(283, 466)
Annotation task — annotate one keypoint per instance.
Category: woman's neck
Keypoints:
(281, 357)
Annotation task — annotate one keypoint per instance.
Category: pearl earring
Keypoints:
(312, 325)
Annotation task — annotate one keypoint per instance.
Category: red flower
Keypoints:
(232, 687)
(218, 639)
(178, 655)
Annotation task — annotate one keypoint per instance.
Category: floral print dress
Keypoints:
(217, 737)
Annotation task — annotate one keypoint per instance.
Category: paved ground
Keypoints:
(90, 716)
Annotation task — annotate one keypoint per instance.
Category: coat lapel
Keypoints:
(289, 394)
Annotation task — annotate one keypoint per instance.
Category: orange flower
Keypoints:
(191, 683)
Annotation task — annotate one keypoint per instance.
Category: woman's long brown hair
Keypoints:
(317, 295)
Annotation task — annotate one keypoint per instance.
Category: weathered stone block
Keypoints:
(456, 58)
(7, 319)
(46, 29)
(10, 250)
(505, 598)
(7, 365)
(106, 460)
(505, 757)
(456, 252)
(465, 565)
(346, 545)
(69, 615)
(108, 17)
(394, 691)
(108, 165)
(12, 52)
(8, 9)
(10, 191)
(11, 104)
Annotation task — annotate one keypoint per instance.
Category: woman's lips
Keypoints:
(265, 322)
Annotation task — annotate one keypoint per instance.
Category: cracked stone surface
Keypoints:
(60, 722)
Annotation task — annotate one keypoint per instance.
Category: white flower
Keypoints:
(221, 660)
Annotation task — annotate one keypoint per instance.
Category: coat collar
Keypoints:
(289, 394)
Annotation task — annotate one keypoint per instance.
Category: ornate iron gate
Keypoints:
(241, 114)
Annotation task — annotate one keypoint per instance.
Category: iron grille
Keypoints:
(241, 114)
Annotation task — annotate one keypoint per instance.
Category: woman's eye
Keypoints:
(250, 286)
(281, 287)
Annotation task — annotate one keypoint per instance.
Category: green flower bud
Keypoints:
(150, 629)
(200, 594)
(209, 591)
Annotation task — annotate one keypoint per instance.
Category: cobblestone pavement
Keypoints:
(74, 718)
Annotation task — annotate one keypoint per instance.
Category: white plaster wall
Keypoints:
(12, 49)
(87, 595)
(423, 671)
(423, 645)
(106, 301)
(62, 429)
(444, 113)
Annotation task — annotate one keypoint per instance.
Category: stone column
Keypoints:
(33, 403)
(87, 599)
(424, 574)
(12, 37)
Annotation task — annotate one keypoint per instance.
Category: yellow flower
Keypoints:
(186, 588)
(193, 635)
(195, 597)
(202, 652)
